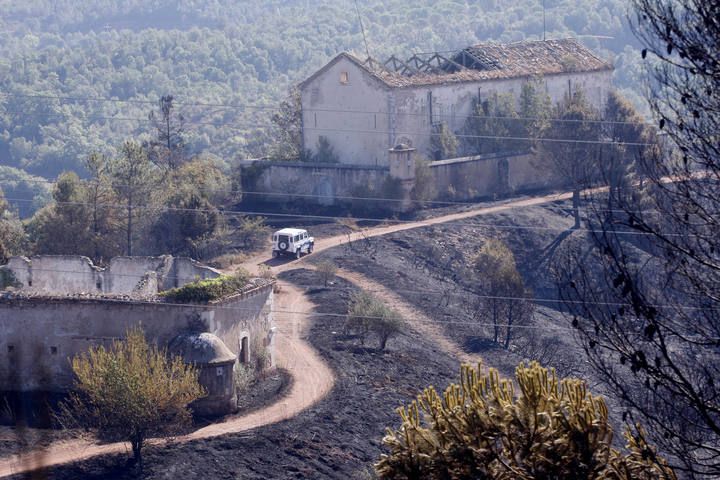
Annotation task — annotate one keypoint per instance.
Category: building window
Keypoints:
(53, 350)
(11, 348)
(344, 78)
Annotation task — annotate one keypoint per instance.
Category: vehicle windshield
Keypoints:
(283, 238)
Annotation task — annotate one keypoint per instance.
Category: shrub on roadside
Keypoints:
(327, 270)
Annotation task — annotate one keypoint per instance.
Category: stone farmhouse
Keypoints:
(379, 119)
(53, 308)
(365, 108)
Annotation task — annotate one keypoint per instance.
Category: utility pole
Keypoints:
(543, 20)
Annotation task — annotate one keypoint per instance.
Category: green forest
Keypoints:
(78, 77)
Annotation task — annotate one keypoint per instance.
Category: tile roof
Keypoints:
(488, 61)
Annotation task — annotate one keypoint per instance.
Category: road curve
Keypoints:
(312, 378)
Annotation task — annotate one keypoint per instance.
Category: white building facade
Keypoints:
(363, 108)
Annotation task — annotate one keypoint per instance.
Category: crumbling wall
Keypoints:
(39, 335)
(68, 274)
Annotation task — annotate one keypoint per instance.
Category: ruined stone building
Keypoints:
(365, 108)
(53, 308)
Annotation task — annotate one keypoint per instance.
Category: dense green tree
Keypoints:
(191, 215)
(503, 298)
(105, 218)
(324, 152)
(12, 235)
(494, 126)
(63, 226)
(167, 148)
(287, 143)
(535, 108)
(134, 179)
(570, 144)
(130, 392)
(443, 143)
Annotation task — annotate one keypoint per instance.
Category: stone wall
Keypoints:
(461, 179)
(323, 183)
(64, 274)
(40, 334)
(477, 176)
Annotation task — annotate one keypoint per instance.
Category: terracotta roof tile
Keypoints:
(490, 61)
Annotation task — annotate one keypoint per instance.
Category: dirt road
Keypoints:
(312, 379)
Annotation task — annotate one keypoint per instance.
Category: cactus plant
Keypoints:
(536, 427)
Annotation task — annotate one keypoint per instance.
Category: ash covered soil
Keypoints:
(340, 437)
(430, 268)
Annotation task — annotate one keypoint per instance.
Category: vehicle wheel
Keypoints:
(310, 248)
(297, 253)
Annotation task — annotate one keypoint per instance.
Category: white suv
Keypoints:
(292, 241)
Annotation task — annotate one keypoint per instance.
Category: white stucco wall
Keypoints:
(364, 118)
(453, 103)
(352, 116)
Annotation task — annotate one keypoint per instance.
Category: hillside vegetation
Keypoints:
(245, 54)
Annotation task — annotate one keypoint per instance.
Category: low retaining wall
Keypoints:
(462, 178)
(322, 183)
(466, 178)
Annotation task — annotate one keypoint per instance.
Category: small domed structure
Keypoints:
(215, 362)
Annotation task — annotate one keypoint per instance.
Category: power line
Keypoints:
(229, 125)
(326, 110)
(420, 223)
(338, 197)
(136, 301)
(443, 294)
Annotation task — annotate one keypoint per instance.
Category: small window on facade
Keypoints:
(344, 78)
(11, 348)
(53, 350)
(219, 371)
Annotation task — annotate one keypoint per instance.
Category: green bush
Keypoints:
(204, 291)
(368, 314)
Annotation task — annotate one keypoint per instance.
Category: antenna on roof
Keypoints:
(362, 29)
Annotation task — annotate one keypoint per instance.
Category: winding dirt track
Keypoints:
(312, 378)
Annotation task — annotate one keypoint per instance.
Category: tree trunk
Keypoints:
(576, 207)
(137, 453)
(496, 327)
(508, 334)
(383, 342)
(129, 230)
